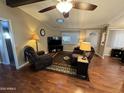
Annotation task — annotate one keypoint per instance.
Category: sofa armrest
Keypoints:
(40, 52)
(44, 58)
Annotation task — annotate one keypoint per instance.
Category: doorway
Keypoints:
(7, 50)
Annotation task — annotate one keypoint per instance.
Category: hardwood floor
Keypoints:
(106, 76)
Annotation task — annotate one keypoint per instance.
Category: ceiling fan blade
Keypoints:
(47, 9)
(84, 6)
(16, 3)
(66, 15)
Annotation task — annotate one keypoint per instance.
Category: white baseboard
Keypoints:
(99, 55)
(68, 50)
(107, 55)
(22, 65)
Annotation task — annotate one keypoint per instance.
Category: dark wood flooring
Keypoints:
(106, 76)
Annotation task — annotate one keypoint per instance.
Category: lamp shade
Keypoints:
(85, 46)
(35, 37)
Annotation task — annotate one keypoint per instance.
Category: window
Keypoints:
(70, 37)
(116, 39)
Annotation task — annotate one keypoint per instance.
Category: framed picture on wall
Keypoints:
(103, 38)
(42, 32)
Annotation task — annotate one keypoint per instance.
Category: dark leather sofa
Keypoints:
(37, 60)
(76, 51)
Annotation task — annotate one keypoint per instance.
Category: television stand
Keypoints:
(54, 44)
(55, 48)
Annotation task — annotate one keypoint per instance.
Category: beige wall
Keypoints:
(43, 39)
(23, 26)
(107, 51)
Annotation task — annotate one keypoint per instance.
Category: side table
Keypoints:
(82, 67)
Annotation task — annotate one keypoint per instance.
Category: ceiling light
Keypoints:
(64, 6)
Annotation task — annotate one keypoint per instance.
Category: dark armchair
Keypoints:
(37, 60)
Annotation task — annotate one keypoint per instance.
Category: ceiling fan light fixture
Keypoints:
(64, 6)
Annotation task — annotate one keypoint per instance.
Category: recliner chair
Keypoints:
(38, 60)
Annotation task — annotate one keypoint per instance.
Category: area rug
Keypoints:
(61, 65)
(62, 69)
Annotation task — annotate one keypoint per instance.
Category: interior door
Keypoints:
(3, 48)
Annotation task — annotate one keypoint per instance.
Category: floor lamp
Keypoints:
(36, 38)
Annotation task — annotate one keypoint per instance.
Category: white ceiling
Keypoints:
(105, 12)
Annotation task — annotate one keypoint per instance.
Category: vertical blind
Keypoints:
(116, 39)
(70, 37)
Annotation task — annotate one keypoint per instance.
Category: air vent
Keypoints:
(60, 20)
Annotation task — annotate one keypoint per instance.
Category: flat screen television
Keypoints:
(54, 40)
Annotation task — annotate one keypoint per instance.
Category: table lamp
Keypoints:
(85, 46)
(36, 38)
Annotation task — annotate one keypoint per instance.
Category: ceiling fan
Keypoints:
(64, 6)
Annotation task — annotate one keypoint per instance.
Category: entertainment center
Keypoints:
(55, 44)
(118, 53)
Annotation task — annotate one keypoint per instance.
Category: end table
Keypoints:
(82, 67)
